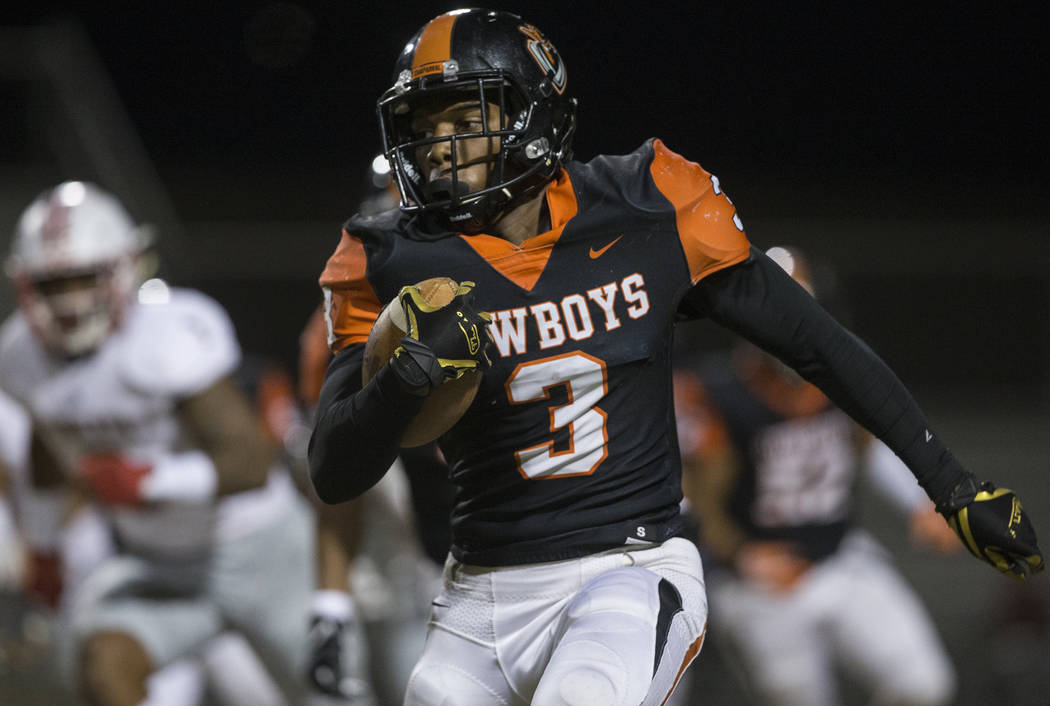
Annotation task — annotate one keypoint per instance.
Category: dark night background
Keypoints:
(903, 145)
(262, 113)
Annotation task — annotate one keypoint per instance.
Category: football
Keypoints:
(450, 400)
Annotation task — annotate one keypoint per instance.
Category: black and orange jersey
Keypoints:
(569, 446)
(794, 454)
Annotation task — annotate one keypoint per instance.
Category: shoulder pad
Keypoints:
(14, 435)
(18, 352)
(625, 175)
(179, 345)
(377, 231)
(619, 165)
(12, 331)
(375, 227)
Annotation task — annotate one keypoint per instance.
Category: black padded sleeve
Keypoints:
(357, 430)
(432, 498)
(759, 301)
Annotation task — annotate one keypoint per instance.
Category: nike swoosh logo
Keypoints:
(595, 254)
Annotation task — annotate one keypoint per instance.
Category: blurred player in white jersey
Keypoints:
(132, 402)
(13, 448)
(769, 468)
(338, 663)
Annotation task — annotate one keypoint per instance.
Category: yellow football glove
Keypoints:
(443, 342)
(993, 526)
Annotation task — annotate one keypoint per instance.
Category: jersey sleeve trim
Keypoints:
(708, 228)
(351, 306)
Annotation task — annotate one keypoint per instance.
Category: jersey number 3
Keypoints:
(586, 381)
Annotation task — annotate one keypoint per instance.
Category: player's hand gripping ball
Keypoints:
(437, 341)
(994, 527)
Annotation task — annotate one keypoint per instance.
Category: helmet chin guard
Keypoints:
(493, 58)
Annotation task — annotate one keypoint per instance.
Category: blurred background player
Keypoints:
(13, 448)
(133, 404)
(338, 654)
(393, 540)
(60, 538)
(52, 539)
(796, 589)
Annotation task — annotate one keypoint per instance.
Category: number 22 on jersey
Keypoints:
(585, 379)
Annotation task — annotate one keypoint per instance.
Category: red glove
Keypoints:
(112, 478)
(44, 578)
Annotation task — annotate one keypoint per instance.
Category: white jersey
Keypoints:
(123, 397)
(14, 439)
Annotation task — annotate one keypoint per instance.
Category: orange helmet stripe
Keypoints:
(434, 47)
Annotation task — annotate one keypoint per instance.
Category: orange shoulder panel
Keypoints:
(711, 236)
(350, 304)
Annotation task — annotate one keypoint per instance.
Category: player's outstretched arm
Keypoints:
(761, 302)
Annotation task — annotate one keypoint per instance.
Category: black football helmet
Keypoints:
(499, 59)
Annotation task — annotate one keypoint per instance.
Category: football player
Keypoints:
(568, 582)
(131, 399)
(769, 469)
(13, 448)
(338, 652)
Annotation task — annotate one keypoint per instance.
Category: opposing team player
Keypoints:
(13, 449)
(769, 468)
(131, 400)
(567, 581)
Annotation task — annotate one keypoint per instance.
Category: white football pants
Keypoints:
(851, 609)
(612, 629)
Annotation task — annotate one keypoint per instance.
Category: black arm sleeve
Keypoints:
(432, 499)
(357, 431)
(759, 301)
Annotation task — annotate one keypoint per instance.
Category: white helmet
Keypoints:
(75, 262)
